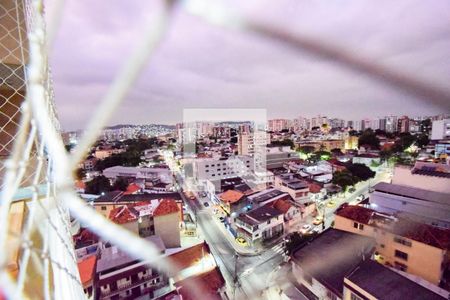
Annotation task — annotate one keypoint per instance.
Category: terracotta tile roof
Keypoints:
(166, 207)
(189, 256)
(79, 184)
(131, 189)
(282, 205)
(209, 282)
(86, 268)
(123, 214)
(356, 213)
(427, 234)
(231, 196)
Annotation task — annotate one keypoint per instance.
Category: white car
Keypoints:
(305, 228)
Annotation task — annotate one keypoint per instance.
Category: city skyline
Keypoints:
(231, 69)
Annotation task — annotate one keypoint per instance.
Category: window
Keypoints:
(382, 245)
(401, 254)
(355, 225)
(207, 166)
(361, 227)
(358, 226)
(331, 296)
(355, 297)
(268, 222)
(400, 266)
(402, 241)
(103, 207)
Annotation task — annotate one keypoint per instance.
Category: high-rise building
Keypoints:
(318, 121)
(403, 124)
(440, 129)
(248, 143)
(391, 124)
(277, 125)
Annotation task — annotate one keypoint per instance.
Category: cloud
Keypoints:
(200, 65)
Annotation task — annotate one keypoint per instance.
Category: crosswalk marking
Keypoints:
(278, 248)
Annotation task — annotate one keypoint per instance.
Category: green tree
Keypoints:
(361, 171)
(422, 140)
(368, 137)
(120, 184)
(98, 185)
(306, 149)
(344, 179)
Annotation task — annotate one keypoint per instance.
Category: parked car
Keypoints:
(318, 220)
(206, 204)
(316, 230)
(331, 203)
(305, 228)
(222, 219)
(352, 190)
(241, 241)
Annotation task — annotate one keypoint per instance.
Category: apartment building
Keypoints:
(276, 156)
(260, 225)
(120, 276)
(213, 169)
(440, 129)
(426, 206)
(411, 247)
(162, 174)
(161, 218)
(251, 142)
(277, 125)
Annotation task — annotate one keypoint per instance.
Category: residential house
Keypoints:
(159, 217)
(260, 225)
(409, 246)
(298, 189)
(292, 213)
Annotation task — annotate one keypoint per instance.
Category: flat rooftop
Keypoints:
(265, 195)
(412, 192)
(332, 255)
(383, 283)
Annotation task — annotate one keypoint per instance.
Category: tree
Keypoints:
(422, 140)
(405, 140)
(306, 149)
(344, 179)
(336, 151)
(79, 174)
(353, 133)
(98, 185)
(369, 138)
(361, 171)
(120, 184)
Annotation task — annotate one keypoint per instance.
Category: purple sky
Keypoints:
(202, 66)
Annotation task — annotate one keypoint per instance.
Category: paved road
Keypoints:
(252, 271)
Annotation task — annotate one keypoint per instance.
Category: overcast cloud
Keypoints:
(203, 66)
